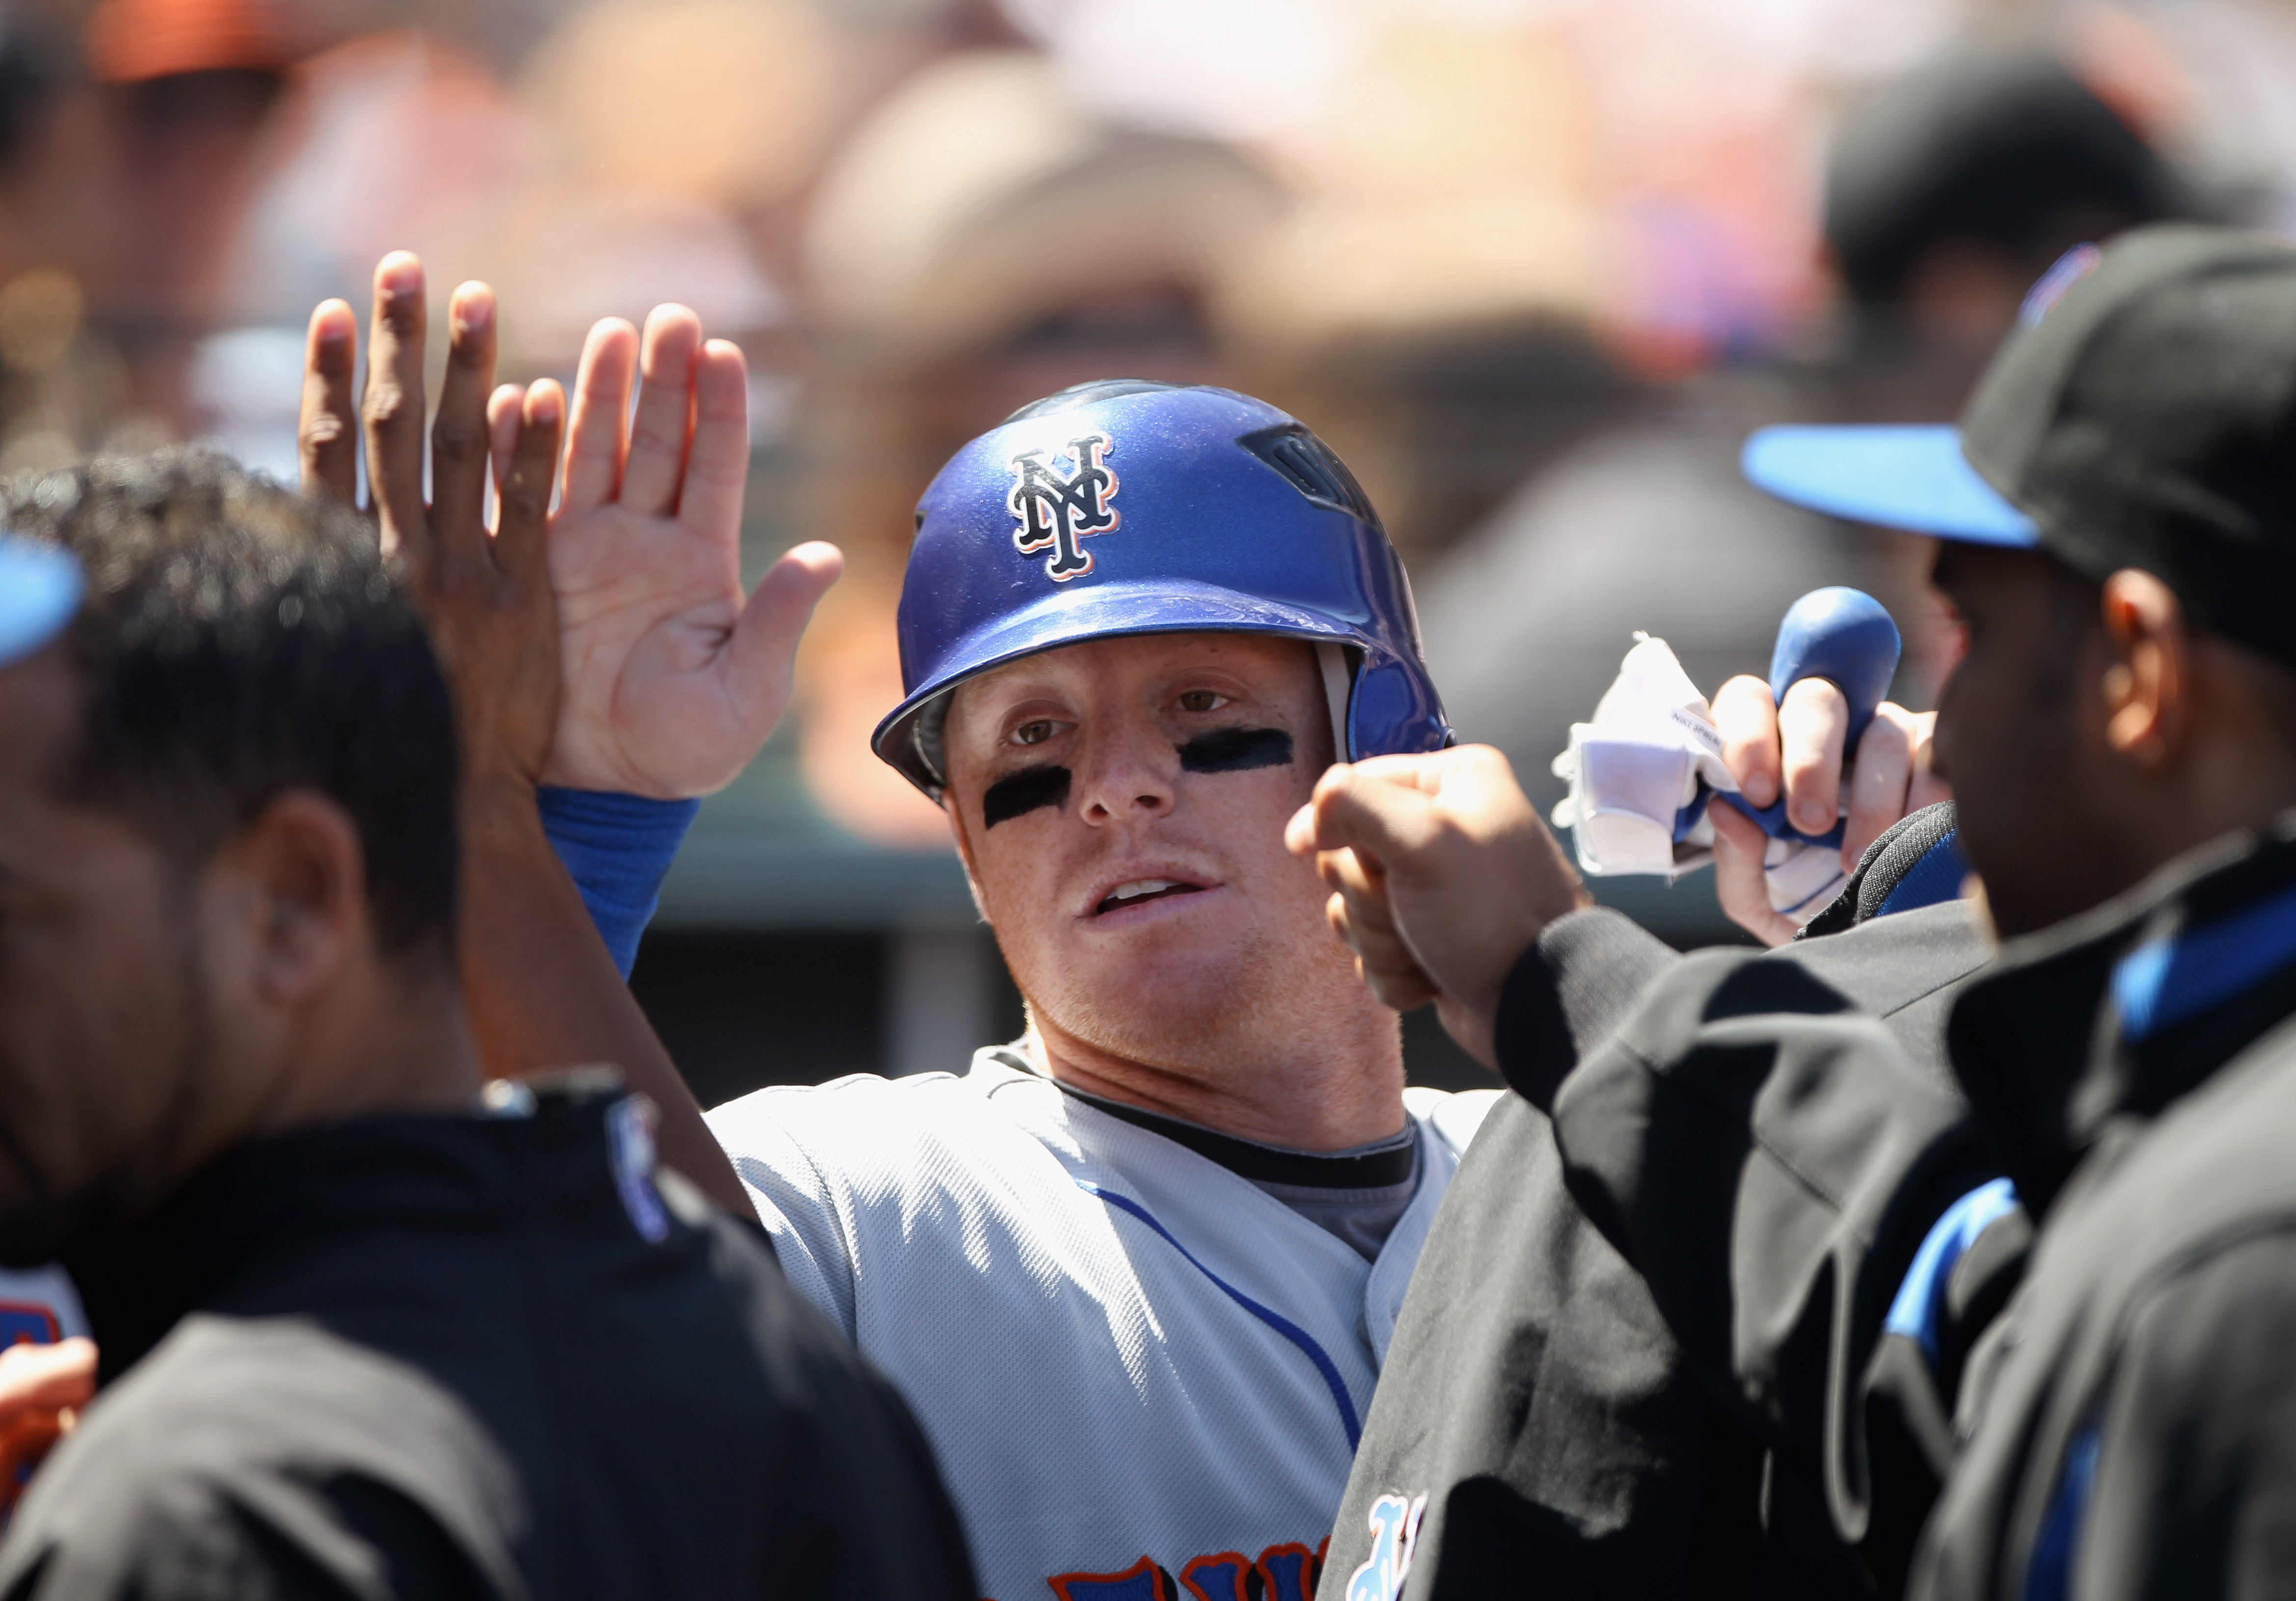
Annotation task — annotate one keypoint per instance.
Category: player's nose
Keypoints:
(1128, 773)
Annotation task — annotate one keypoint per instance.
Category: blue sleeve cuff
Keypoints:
(618, 849)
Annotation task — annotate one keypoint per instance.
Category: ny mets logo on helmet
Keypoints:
(1058, 511)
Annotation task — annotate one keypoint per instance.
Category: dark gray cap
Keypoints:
(2142, 415)
(2147, 419)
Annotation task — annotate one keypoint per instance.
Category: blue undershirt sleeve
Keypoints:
(618, 849)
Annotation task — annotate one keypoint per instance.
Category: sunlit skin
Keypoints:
(151, 1016)
(1226, 1002)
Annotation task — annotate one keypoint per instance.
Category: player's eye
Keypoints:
(1202, 700)
(1033, 733)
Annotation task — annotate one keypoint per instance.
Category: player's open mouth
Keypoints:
(1140, 891)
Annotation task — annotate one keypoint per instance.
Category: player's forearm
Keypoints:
(544, 993)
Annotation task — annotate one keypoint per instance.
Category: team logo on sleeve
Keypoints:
(1394, 1530)
(1057, 511)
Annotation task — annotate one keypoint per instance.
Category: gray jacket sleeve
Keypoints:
(1579, 980)
(1770, 1159)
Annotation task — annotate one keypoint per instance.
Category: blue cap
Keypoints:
(39, 591)
(1912, 478)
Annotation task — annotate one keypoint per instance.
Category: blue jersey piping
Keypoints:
(1275, 1319)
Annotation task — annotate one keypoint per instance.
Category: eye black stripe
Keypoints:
(1236, 750)
(1022, 792)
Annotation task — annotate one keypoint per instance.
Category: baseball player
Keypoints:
(2024, 1320)
(1137, 1271)
(1139, 1268)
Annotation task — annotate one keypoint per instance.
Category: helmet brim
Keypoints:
(1104, 611)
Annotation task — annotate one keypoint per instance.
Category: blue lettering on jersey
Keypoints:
(23, 1321)
(1144, 1581)
(1224, 1576)
(1285, 1572)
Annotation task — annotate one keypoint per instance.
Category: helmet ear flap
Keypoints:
(927, 739)
(1339, 666)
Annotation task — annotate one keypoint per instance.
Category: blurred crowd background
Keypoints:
(1534, 267)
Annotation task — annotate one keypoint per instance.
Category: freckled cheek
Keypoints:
(1020, 868)
(1248, 808)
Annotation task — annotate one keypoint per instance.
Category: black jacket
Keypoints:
(1533, 1393)
(471, 1357)
(1784, 1178)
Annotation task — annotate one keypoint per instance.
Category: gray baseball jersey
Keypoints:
(1143, 1376)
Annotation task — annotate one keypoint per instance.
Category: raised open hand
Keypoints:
(671, 680)
(542, 990)
(485, 595)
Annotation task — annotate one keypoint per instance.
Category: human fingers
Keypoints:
(1365, 814)
(1813, 724)
(1740, 846)
(392, 411)
(1353, 809)
(61, 1373)
(326, 439)
(502, 428)
(1382, 961)
(520, 546)
(1927, 787)
(41, 1387)
(1359, 881)
(659, 431)
(1424, 771)
(1878, 778)
(762, 653)
(718, 463)
(601, 415)
(1747, 719)
(460, 437)
(1468, 789)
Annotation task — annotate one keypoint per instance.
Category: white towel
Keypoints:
(1642, 774)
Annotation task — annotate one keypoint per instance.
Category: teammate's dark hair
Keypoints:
(2011, 152)
(239, 640)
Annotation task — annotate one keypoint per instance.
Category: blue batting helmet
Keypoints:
(1128, 507)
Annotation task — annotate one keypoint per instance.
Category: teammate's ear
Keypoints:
(2147, 686)
(301, 864)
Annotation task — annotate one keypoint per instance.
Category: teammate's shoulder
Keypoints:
(229, 1417)
(1450, 1115)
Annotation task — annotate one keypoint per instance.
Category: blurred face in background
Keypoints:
(1120, 804)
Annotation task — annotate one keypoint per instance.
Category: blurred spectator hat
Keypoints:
(39, 591)
(1128, 507)
(2143, 415)
(2009, 153)
(982, 196)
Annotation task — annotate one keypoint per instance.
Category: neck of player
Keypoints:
(1334, 1082)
